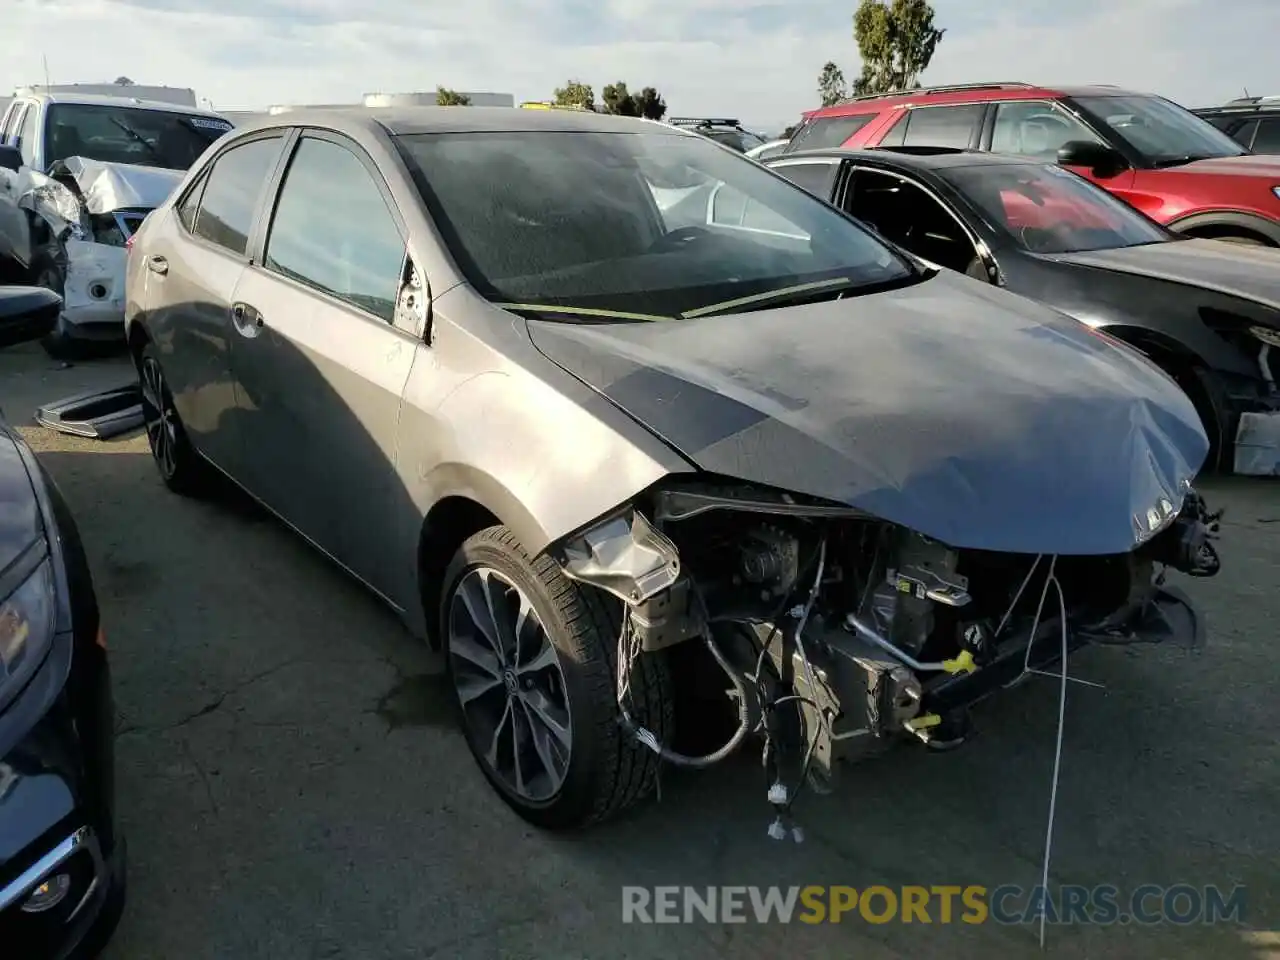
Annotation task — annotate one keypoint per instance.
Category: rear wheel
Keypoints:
(531, 656)
(181, 468)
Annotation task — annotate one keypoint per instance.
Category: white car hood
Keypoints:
(107, 187)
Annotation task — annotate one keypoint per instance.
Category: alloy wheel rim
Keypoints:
(159, 417)
(508, 679)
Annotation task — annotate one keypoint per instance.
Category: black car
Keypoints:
(61, 857)
(1252, 121)
(725, 130)
(1207, 312)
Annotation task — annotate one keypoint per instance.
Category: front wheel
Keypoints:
(531, 656)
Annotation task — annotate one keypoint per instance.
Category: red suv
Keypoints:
(1172, 165)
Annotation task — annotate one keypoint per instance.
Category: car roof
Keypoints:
(1269, 105)
(400, 121)
(99, 99)
(966, 93)
(916, 158)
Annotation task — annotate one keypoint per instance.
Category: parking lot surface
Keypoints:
(291, 784)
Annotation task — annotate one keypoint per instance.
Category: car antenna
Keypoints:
(44, 60)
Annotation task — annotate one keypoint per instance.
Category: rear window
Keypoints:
(118, 134)
(825, 132)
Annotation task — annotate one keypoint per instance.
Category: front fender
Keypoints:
(1235, 219)
(487, 417)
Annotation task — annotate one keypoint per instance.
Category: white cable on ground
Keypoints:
(1057, 757)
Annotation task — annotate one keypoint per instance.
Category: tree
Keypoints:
(451, 98)
(575, 93)
(123, 82)
(896, 39)
(831, 85)
(618, 100)
(651, 104)
(790, 132)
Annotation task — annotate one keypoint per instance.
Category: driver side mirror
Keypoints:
(10, 158)
(1102, 160)
(27, 313)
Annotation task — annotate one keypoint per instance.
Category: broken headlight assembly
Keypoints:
(26, 628)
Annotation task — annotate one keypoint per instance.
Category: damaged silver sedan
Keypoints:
(598, 454)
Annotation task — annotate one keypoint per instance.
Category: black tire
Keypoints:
(1210, 400)
(181, 468)
(607, 770)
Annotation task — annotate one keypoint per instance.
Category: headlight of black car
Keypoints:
(26, 629)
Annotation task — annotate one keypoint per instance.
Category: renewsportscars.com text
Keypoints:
(1147, 904)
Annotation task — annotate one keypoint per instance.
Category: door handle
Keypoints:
(246, 319)
(158, 265)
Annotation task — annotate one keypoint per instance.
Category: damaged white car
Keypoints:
(76, 181)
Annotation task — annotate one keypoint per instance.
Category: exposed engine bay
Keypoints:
(840, 634)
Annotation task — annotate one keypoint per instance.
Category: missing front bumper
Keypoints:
(1170, 617)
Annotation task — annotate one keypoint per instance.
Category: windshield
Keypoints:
(650, 225)
(1047, 209)
(119, 134)
(1164, 133)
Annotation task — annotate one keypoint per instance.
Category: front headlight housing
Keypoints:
(26, 629)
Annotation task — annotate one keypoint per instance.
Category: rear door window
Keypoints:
(1267, 139)
(341, 242)
(946, 126)
(231, 193)
(817, 178)
(825, 132)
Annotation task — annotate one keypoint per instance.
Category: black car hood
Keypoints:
(1238, 269)
(961, 411)
(20, 523)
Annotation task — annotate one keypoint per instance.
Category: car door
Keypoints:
(319, 360)
(194, 257)
(15, 233)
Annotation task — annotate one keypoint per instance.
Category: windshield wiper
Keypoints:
(582, 313)
(137, 136)
(802, 293)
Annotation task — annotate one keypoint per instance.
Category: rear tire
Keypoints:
(600, 770)
(181, 468)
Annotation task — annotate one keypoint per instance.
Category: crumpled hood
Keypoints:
(959, 410)
(1236, 269)
(107, 187)
(20, 523)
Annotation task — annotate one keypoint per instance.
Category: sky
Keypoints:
(756, 60)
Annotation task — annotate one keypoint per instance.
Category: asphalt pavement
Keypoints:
(292, 786)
